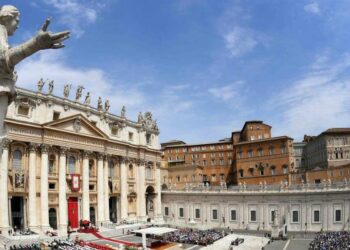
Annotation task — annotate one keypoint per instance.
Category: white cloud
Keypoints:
(51, 65)
(240, 41)
(227, 92)
(75, 14)
(313, 8)
(319, 100)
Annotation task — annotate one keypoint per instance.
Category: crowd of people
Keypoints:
(193, 236)
(331, 241)
(33, 246)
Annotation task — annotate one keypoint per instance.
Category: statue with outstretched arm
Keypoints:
(10, 57)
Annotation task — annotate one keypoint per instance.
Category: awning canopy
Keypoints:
(156, 230)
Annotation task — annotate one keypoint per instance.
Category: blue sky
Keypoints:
(201, 67)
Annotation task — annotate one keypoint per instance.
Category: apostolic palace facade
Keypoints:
(64, 161)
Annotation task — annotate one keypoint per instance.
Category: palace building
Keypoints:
(63, 161)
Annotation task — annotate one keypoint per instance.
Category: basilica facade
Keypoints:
(63, 161)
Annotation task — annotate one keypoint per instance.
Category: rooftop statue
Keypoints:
(99, 104)
(11, 56)
(40, 84)
(79, 93)
(66, 90)
(87, 99)
(51, 86)
(107, 105)
(123, 112)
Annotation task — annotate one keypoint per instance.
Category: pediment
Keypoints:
(77, 124)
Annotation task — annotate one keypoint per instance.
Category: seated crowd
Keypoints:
(193, 236)
(33, 246)
(331, 241)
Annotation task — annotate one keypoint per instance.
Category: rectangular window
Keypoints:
(52, 185)
(222, 177)
(273, 171)
(56, 115)
(91, 187)
(23, 110)
(316, 216)
(131, 136)
(166, 211)
(273, 214)
(252, 215)
(214, 214)
(250, 153)
(212, 147)
(295, 216)
(338, 215)
(233, 215)
(271, 151)
(197, 213)
(181, 212)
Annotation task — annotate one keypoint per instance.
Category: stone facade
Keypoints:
(214, 158)
(298, 209)
(61, 156)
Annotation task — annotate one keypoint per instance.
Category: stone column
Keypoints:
(158, 202)
(32, 187)
(106, 189)
(141, 196)
(4, 207)
(44, 187)
(62, 197)
(123, 188)
(85, 188)
(100, 187)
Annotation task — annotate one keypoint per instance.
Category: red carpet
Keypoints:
(97, 235)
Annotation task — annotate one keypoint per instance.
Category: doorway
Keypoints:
(17, 212)
(53, 218)
(113, 209)
(92, 216)
(73, 212)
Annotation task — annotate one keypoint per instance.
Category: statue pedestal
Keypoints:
(275, 231)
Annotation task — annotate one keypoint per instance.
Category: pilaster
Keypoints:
(4, 207)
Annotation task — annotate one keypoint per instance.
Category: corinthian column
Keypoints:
(32, 187)
(86, 194)
(4, 213)
(158, 205)
(123, 188)
(106, 189)
(44, 194)
(62, 197)
(141, 190)
(100, 187)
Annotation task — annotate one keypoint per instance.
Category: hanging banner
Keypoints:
(75, 184)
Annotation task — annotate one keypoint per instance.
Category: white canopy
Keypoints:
(156, 230)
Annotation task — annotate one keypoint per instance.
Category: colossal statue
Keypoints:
(11, 56)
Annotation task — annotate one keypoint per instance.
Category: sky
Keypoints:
(201, 67)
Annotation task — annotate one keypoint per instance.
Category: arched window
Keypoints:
(17, 160)
(71, 165)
